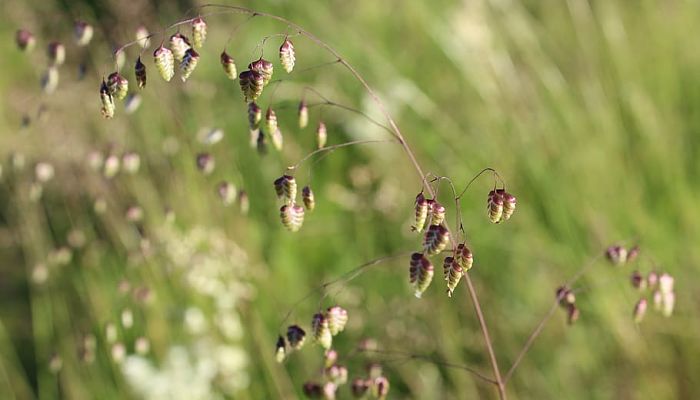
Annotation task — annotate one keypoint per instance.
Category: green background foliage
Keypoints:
(586, 109)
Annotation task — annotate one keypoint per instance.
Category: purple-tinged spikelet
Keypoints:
(199, 32)
(436, 239)
(83, 33)
(303, 113)
(359, 387)
(565, 296)
(280, 349)
(165, 62)
(254, 115)
(321, 331)
(464, 257)
(421, 273)
(572, 314)
(270, 120)
(330, 357)
(338, 374)
(296, 337)
(437, 212)
(229, 66)
(292, 216)
(264, 68)
(638, 281)
(287, 57)
(421, 212)
(140, 72)
(118, 85)
(205, 163)
(453, 274)
(380, 387)
(495, 207)
(337, 318)
(652, 279)
(49, 81)
(25, 40)
(307, 196)
(252, 83)
(179, 45)
(227, 192)
(107, 101)
(632, 253)
(640, 310)
(509, 202)
(56, 52)
(617, 255)
(321, 135)
(188, 64)
(286, 188)
(277, 139)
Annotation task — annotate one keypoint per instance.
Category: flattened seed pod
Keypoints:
(436, 239)
(277, 139)
(118, 85)
(464, 257)
(303, 115)
(229, 66)
(264, 68)
(25, 40)
(495, 207)
(252, 83)
(179, 45)
(83, 33)
(280, 349)
(321, 135)
(296, 337)
(254, 115)
(421, 272)
(287, 57)
(321, 331)
(165, 62)
(57, 53)
(140, 72)
(270, 120)
(188, 64)
(106, 100)
(509, 202)
(199, 32)
(454, 275)
(421, 212)
(307, 196)
(437, 211)
(286, 188)
(292, 216)
(337, 318)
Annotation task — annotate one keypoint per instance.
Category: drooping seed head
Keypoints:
(303, 112)
(307, 196)
(321, 331)
(495, 207)
(509, 203)
(330, 357)
(337, 318)
(277, 139)
(49, 81)
(142, 37)
(270, 120)
(254, 115)
(25, 40)
(640, 310)
(280, 350)
(261, 142)
(140, 72)
(572, 314)
(436, 239)
(179, 45)
(617, 255)
(165, 62)
(421, 273)
(205, 163)
(229, 66)
(565, 296)
(464, 257)
(188, 64)
(106, 100)
(652, 279)
(338, 374)
(252, 84)
(359, 387)
(313, 390)
(227, 192)
(118, 85)
(296, 337)
(638, 281)
(286, 188)
(321, 135)
(437, 212)
(453, 275)
(287, 57)
(380, 388)
(421, 212)
(83, 33)
(666, 283)
(199, 32)
(264, 68)
(329, 390)
(56, 52)
(292, 216)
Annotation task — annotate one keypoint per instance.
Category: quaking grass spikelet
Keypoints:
(337, 318)
(83, 33)
(287, 57)
(307, 196)
(464, 257)
(321, 135)
(188, 64)
(292, 216)
(254, 115)
(436, 239)
(107, 101)
(495, 207)
(321, 331)
(118, 85)
(437, 212)
(277, 139)
(421, 273)
(270, 120)
(25, 40)
(264, 68)
(286, 188)
(380, 387)
(303, 113)
(252, 83)
(453, 274)
(509, 202)
(280, 350)
(140, 72)
(296, 337)
(421, 212)
(165, 62)
(56, 52)
(229, 66)
(179, 45)
(199, 32)
(640, 310)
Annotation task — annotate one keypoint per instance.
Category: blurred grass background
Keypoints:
(587, 109)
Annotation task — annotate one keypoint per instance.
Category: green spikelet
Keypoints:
(25, 40)
(264, 68)
(252, 83)
(287, 57)
(436, 239)
(303, 115)
(106, 100)
(495, 207)
(421, 212)
(140, 72)
(321, 331)
(188, 64)
(179, 45)
(464, 257)
(229, 66)
(280, 350)
(321, 135)
(277, 139)
(292, 216)
(296, 337)
(165, 63)
(118, 85)
(286, 188)
(337, 318)
(421, 273)
(199, 32)
(307, 196)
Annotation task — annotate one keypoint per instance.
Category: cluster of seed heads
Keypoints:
(292, 214)
(619, 255)
(567, 300)
(659, 288)
(454, 267)
(501, 205)
(296, 337)
(374, 386)
(325, 325)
